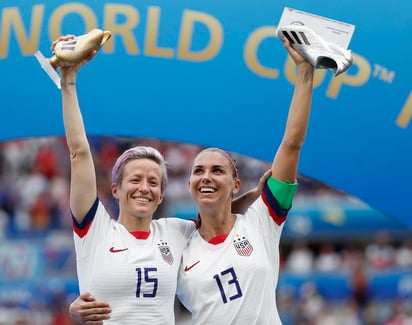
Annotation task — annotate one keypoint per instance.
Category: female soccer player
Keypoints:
(130, 263)
(230, 267)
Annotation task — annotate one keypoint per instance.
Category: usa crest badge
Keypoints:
(243, 246)
(165, 252)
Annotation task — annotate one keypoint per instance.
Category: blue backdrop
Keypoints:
(213, 73)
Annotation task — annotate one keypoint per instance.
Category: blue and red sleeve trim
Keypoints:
(277, 213)
(82, 228)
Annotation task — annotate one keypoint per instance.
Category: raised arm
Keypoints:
(83, 190)
(285, 163)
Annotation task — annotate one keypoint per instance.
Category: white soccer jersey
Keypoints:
(136, 277)
(234, 282)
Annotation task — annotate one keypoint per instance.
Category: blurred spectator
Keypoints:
(351, 257)
(327, 260)
(287, 306)
(380, 254)
(46, 160)
(59, 196)
(312, 302)
(106, 153)
(16, 157)
(403, 256)
(398, 316)
(28, 188)
(40, 212)
(359, 285)
(300, 259)
(349, 313)
(4, 222)
(369, 315)
(327, 316)
(59, 308)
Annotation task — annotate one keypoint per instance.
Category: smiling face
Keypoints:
(139, 193)
(213, 182)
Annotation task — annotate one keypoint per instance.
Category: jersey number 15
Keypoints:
(143, 276)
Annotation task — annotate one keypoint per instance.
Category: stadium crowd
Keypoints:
(36, 239)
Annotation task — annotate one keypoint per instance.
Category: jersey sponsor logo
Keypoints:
(114, 250)
(243, 246)
(188, 268)
(165, 251)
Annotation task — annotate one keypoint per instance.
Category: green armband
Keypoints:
(284, 192)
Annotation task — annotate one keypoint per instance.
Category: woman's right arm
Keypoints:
(83, 188)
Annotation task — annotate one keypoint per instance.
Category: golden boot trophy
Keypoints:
(72, 51)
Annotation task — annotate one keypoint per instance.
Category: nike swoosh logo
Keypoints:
(113, 250)
(187, 268)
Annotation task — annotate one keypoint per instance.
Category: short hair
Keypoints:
(139, 152)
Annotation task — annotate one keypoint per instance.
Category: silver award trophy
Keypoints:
(71, 52)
